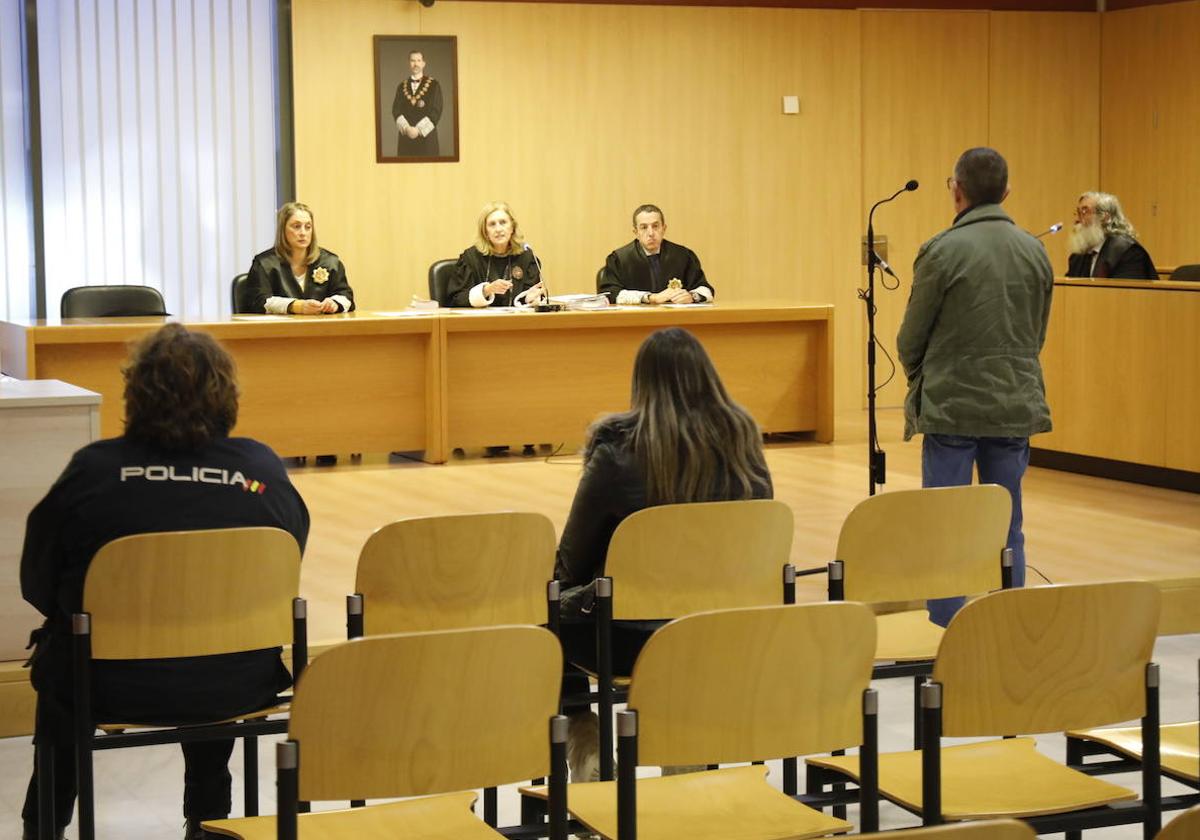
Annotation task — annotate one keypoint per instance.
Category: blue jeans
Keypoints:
(948, 461)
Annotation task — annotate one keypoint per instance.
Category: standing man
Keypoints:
(651, 270)
(417, 109)
(969, 343)
(1103, 243)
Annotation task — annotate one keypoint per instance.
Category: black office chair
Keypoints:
(237, 293)
(111, 302)
(1186, 272)
(439, 280)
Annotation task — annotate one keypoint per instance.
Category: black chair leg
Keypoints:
(250, 774)
(44, 757)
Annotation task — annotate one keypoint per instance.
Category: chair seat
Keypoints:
(1180, 746)
(444, 817)
(278, 709)
(1005, 778)
(907, 637)
(730, 803)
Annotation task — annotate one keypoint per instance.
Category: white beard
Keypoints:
(1083, 240)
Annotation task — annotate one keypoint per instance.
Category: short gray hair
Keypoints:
(1110, 215)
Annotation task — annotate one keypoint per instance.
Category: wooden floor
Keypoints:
(1077, 528)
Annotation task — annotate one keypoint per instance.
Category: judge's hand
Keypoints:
(329, 305)
(305, 307)
(496, 287)
(412, 133)
(671, 296)
(534, 294)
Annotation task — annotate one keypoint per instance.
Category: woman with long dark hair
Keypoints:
(682, 440)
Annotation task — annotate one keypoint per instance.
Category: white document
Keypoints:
(402, 123)
(425, 126)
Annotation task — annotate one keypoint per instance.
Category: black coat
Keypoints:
(428, 104)
(1121, 258)
(628, 267)
(271, 276)
(474, 268)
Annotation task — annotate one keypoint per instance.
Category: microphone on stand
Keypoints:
(1054, 228)
(545, 305)
(882, 263)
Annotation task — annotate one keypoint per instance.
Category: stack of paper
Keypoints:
(578, 302)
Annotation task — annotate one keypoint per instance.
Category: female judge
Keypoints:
(682, 440)
(296, 277)
(499, 269)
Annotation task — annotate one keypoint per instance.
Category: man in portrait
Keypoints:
(417, 109)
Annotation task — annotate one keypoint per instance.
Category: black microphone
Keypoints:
(882, 263)
(1054, 228)
(545, 305)
(911, 185)
(872, 257)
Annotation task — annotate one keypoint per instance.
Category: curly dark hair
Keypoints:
(180, 390)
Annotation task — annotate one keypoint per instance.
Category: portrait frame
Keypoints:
(392, 70)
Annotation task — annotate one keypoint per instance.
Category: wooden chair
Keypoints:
(673, 560)
(979, 830)
(913, 545)
(1031, 661)
(447, 572)
(417, 714)
(184, 594)
(1179, 743)
(736, 686)
(1186, 826)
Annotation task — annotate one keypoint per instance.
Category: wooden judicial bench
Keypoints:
(382, 382)
(1122, 369)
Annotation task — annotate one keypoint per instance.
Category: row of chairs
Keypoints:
(443, 572)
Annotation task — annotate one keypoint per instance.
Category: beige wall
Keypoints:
(577, 113)
(1151, 113)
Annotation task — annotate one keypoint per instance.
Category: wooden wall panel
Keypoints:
(925, 100)
(1044, 118)
(576, 114)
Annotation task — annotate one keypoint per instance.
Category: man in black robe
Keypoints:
(1103, 243)
(651, 270)
(417, 109)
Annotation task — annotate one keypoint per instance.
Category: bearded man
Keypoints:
(1103, 243)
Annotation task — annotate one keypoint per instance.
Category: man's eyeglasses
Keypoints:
(950, 182)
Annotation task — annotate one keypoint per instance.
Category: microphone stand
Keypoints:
(876, 457)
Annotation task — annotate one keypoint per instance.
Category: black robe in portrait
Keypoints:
(1121, 258)
(426, 102)
(628, 267)
(474, 268)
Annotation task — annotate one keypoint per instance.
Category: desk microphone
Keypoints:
(546, 305)
(1054, 228)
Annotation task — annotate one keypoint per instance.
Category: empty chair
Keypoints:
(1031, 661)
(111, 302)
(412, 715)
(1186, 272)
(439, 281)
(980, 830)
(738, 686)
(1186, 826)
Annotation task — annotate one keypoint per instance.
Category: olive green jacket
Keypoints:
(973, 329)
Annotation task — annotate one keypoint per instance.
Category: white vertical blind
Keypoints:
(16, 262)
(158, 141)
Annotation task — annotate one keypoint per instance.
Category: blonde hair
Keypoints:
(281, 219)
(692, 442)
(482, 244)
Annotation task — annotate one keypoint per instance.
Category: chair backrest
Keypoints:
(192, 593)
(931, 543)
(756, 683)
(673, 560)
(1180, 606)
(1186, 272)
(439, 280)
(1186, 826)
(1047, 659)
(421, 713)
(235, 294)
(442, 572)
(111, 302)
(600, 279)
(974, 830)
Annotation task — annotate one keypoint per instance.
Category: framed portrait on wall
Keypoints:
(416, 98)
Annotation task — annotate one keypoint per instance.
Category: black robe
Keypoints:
(628, 267)
(1121, 258)
(474, 268)
(428, 104)
(271, 276)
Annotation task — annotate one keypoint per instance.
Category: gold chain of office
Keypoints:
(418, 98)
